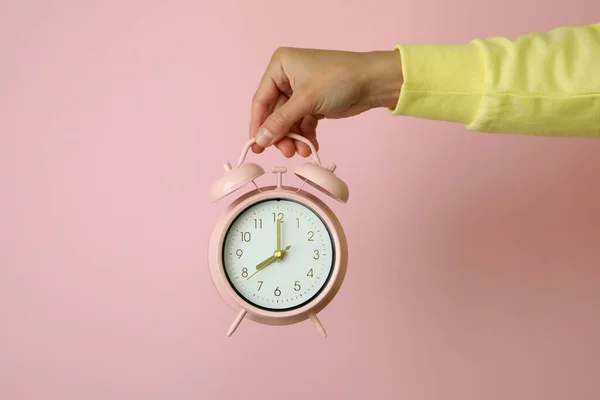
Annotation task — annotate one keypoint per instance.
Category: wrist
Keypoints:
(384, 78)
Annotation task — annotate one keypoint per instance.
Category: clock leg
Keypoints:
(236, 322)
(319, 325)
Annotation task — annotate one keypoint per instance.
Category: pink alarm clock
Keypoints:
(278, 254)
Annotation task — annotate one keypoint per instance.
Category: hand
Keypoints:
(301, 86)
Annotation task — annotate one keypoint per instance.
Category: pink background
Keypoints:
(474, 275)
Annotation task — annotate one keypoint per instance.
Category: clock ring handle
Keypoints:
(294, 136)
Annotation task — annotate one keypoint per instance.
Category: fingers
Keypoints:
(274, 114)
(281, 120)
(308, 128)
(262, 106)
(285, 145)
(265, 99)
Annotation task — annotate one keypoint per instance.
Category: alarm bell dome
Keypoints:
(234, 179)
(324, 180)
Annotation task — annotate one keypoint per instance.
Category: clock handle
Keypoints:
(315, 173)
(294, 136)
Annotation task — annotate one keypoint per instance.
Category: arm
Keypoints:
(539, 84)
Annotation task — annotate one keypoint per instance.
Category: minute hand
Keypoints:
(278, 248)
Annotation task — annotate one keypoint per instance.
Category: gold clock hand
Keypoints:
(278, 248)
(255, 272)
(262, 265)
(278, 255)
(266, 262)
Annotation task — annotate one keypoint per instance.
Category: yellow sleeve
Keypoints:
(539, 84)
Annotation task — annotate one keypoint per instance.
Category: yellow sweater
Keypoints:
(539, 84)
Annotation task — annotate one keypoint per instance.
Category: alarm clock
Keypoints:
(278, 254)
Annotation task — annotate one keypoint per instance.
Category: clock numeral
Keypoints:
(244, 272)
(239, 253)
(277, 292)
(277, 217)
(298, 221)
(259, 284)
(310, 273)
(317, 255)
(297, 286)
(311, 235)
(258, 223)
(246, 236)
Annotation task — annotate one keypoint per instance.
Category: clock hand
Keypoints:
(278, 255)
(262, 265)
(278, 248)
(266, 262)
(255, 272)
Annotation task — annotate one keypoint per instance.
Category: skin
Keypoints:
(302, 86)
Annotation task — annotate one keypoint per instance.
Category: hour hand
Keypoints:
(266, 262)
(262, 265)
(278, 255)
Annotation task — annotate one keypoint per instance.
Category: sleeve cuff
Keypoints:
(441, 82)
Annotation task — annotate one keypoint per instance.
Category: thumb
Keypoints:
(279, 123)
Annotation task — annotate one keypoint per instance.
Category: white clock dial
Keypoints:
(286, 279)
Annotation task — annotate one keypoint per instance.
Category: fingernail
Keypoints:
(264, 137)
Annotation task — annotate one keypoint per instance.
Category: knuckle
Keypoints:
(281, 52)
(256, 99)
(310, 96)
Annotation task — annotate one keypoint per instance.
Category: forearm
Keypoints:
(539, 84)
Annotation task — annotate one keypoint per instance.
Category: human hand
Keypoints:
(302, 86)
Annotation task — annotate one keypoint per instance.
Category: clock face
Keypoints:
(278, 271)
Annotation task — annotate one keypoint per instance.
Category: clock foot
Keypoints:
(236, 322)
(318, 324)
